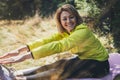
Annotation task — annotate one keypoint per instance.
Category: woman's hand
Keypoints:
(15, 59)
(15, 52)
(10, 54)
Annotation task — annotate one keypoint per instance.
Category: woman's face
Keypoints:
(68, 21)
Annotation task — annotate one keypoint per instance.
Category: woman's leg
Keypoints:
(26, 71)
(39, 69)
(77, 68)
(38, 76)
(72, 68)
(41, 73)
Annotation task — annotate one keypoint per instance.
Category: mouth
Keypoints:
(70, 25)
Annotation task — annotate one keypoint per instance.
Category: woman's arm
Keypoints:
(23, 48)
(75, 39)
(16, 59)
(40, 42)
(15, 52)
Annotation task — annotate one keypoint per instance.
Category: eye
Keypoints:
(64, 19)
(72, 17)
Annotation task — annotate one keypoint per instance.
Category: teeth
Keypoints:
(69, 25)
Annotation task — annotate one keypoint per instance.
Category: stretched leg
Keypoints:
(54, 65)
(39, 72)
(51, 74)
(26, 71)
(38, 76)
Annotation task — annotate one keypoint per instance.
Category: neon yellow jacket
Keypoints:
(80, 41)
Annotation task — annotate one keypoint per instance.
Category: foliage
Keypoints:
(2, 8)
(20, 9)
(16, 9)
(109, 22)
(87, 7)
(115, 25)
(48, 7)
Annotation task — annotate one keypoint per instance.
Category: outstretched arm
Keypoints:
(14, 52)
(15, 59)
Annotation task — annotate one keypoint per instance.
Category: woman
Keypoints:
(73, 36)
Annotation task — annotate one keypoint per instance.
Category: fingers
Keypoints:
(6, 61)
(4, 56)
(20, 78)
(14, 59)
(9, 54)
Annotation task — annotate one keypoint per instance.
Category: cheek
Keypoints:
(63, 23)
(75, 21)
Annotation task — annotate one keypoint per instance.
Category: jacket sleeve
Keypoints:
(67, 43)
(40, 42)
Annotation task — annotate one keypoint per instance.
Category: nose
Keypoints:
(68, 20)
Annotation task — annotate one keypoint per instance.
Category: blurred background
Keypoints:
(23, 21)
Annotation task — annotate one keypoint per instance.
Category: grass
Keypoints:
(19, 32)
(14, 34)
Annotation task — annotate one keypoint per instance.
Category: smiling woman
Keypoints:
(73, 36)
(68, 21)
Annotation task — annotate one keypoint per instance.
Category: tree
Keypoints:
(108, 20)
